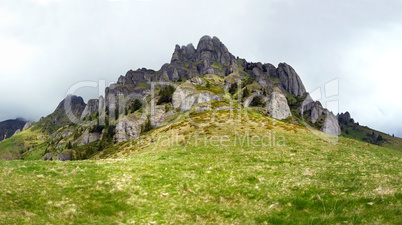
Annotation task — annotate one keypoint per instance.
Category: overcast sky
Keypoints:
(46, 46)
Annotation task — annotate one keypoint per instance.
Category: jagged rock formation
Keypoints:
(345, 117)
(330, 123)
(278, 106)
(290, 80)
(212, 49)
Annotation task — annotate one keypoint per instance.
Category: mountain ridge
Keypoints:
(205, 78)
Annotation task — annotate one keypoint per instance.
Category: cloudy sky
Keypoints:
(349, 51)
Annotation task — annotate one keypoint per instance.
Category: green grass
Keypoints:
(296, 178)
(18, 144)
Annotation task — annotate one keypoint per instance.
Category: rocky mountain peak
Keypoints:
(208, 48)
(212, 49)
(73, 100)
(290, 80)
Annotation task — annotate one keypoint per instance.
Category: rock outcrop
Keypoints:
(91, 107)
(65, 156)
(212, 49)
(290, 80)
(88, 137)
(48, 156)
(345, 117)
(27, 125)
(129, 127)
(186, 95)
(316, 110)
(182, 92)
(278, 106)
(331, 125)
(17, 132)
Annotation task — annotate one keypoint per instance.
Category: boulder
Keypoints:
(278, 106)
(290, 80)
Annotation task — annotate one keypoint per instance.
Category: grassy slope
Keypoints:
(307, 181)
(13, 147)
(363, 133)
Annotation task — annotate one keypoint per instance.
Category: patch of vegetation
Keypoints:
(165, 94)
(257, 102)
(135, 105)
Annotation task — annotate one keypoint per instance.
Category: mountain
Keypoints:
(9, 127)
(209, 138)
(206, 78)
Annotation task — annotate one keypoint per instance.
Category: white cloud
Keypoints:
(14, 55)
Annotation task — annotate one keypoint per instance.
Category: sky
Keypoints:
(347, 53)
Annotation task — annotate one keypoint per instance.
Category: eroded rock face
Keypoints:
(331, 125)
(316, 111)
(183, 54)
(88, 138)
(290, 80)
(186, 95)
(160, 116)
(212, 49)
(27, 125)
(128, 127)
(91, 107)
(278, 106)
(183, 91)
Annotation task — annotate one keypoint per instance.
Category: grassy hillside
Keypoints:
(15, 146)
(363, 133)
(207, 168)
